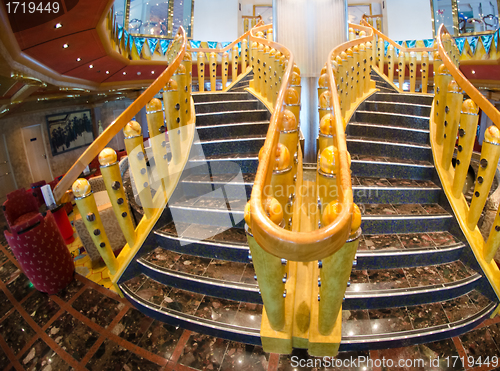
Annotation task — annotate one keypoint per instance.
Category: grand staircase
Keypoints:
(414, 280)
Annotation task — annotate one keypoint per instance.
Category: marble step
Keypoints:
(384, 132)
(220, 96)
(197, 184)
(391, 119)
(232, 145)
(225, 163)
(226, 106)
(388, 167)
(402, 98)
(218, 118)
(369, 289)
(361, 329)
(386, 251)
(397, 107)
(388, 148)
(232, 130)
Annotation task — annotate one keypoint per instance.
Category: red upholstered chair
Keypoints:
(20, 207)
(42, 253)
(37, 192)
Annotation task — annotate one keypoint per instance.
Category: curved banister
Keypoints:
(396, 45)
(228, 47)
(301, 246)
(114, 128)
(483, 103)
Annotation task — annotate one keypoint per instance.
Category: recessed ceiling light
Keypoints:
(78, 59)
(58, 25)
(107, 72)
(124, 73)
(91, 66)
(152, 72)
(473, 72)
(138, 74)
(65, 46)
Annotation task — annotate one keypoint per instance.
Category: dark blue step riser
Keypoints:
(233, 146)
(227, 218)
(228, 106)
(228, 131)
(391, 120)
(395, 196)
(220, 97)
(406, 109)
(406, 259)
(219, 291)
(406, 225)
(386, 170)
(229, 167)
(196, 189)
(231, 117)
(407, 152)
(388, 132)
(198, 248)
(402, 98)
(172, 318)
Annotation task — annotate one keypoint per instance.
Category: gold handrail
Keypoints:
(483, 103)
(299, 246)
(228, 47)
(114, 128)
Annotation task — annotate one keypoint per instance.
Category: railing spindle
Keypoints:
(425, 71)
(171, 97)
(201, 71)
(466, 138)
(234, 61)
(213, 72)
(244, 55)
(225, 69)
(490, 153)
(454, 100)
(413, 71)
(390, 63)
(114, 185)
(442, 79)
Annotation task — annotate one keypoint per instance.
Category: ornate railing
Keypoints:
(452, 117)
(176, 116)
(233, 59)
(397, 60)
(374, 20)
(291, 220)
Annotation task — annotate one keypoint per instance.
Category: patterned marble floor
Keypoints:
(88, 327)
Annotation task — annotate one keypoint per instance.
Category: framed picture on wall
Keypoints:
(69, 131)
(356, 12)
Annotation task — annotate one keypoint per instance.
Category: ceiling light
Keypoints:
(78, 59)
(91, 66)
(58, 25)
(473, 72)
(138, 74)
(65, 46)
(124, 73)
(107, 72)
(152, 72)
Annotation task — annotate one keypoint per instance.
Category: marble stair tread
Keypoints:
(248, 137)
(229, 105)
(365, 181)
(390, 160)
(387, 100)
(227, 157)
(401, 280)
(220, 96)
(248, 178)
(372, 326)
(407, 241)
(392, 141)
(210, 202)
(223, 235)
(231, 124)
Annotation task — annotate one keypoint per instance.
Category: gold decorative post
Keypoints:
(225, 69)
(213, 72)
(425, 71)
(466, 137)
(234, 62)
(390, 64)
(201, 71)
(134, 143)
(413, 71)
(87, 207)
(454, 100)
(490, 153)
(244, 58)
(110, 171)
(171, 99)
(442, 79)
(369, 61)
